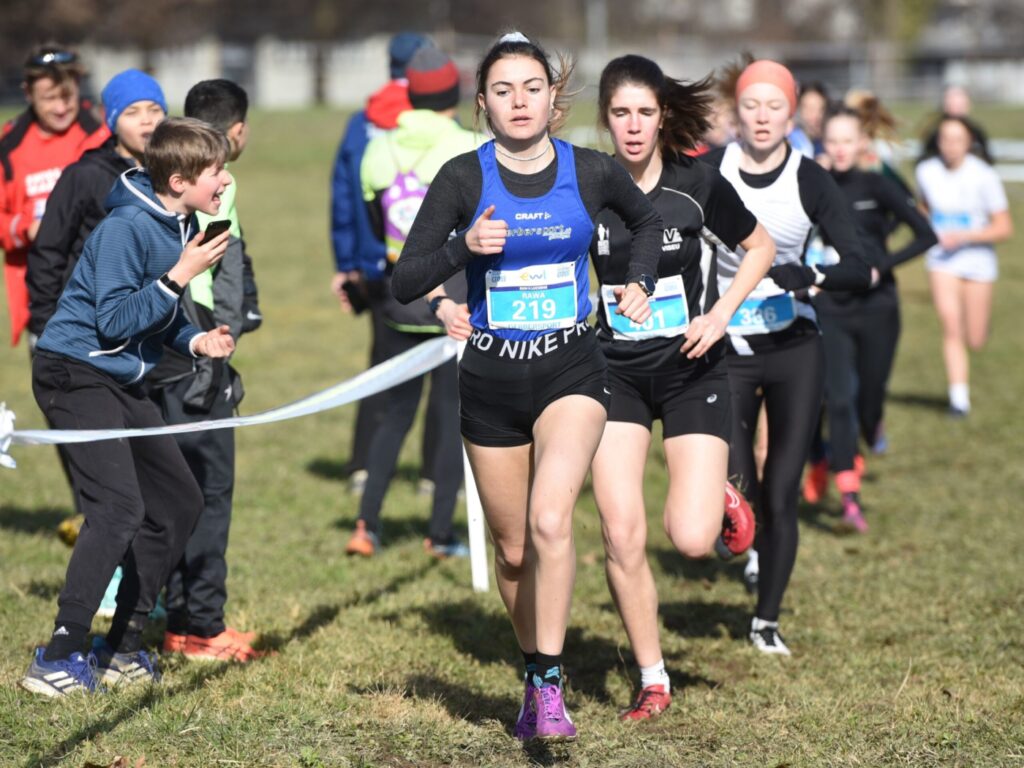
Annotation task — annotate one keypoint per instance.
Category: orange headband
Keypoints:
(773, 73)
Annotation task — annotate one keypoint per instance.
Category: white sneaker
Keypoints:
(766, 638)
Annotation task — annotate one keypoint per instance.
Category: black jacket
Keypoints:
(73, 210)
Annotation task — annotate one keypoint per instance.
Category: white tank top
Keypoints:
(779, 209)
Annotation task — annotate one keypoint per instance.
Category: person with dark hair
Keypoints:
(118, 311)
(969, 210)
(956, 102)
(860, 329)
(672, 368)
(810, 116)
(397, 170)
(533, 383)
(359, 254)
(55, 130)
(196, 390)
(775, 352)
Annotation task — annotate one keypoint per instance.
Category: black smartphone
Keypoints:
(216, 229)
(357, 296)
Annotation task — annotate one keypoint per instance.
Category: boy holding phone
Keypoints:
(209, 389)
(133, 105)
(120, 307)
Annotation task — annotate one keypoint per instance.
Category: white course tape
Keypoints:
(408, 365)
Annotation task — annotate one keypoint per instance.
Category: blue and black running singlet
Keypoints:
(540, 282)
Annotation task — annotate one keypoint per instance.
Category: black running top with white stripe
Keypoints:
(789, 201)
(699, 209)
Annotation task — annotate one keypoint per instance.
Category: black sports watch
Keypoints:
(647, 284)
(435, 303)
(172, 286)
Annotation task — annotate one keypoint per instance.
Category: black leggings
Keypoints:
(859, 352)
(790, 383)
(396, 411)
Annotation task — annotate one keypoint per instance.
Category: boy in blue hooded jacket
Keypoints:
(120, 307)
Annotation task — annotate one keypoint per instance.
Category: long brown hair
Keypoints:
(686, 107)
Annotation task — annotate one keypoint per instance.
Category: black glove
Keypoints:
(793, 277)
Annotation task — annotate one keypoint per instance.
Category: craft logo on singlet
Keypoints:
(671, 239)
(41, 182)
(536, 216)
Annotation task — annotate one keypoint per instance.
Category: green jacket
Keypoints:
(423, 141)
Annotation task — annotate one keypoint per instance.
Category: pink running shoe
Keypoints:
(853, 517)
(553, 721)
(526, 723)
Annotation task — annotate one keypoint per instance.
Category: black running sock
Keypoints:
(549, 670)
(529, 663)
(67, 638)
(126, 637)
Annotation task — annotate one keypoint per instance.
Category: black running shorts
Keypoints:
(505, 386)
(689, 402)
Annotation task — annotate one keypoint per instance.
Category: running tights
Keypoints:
(859, 352)
(790, 382)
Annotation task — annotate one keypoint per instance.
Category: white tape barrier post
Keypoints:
(475, 521)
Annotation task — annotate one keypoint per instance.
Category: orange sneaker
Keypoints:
(816, 482)
(650, 702)
(174, 643)
(859, 465)
(363, 542)
(229, 645)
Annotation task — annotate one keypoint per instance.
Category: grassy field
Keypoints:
(908, 641)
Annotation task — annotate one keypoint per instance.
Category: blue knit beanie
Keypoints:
(401, 50)
(124, 89)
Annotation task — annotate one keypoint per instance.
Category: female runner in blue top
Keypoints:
(674, 370)
(533, 383)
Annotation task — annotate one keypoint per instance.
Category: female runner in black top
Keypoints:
(775, 351)
(861, 328)
(673, 367)
(532, 383)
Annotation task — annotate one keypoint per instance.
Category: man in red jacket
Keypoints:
(34, 148)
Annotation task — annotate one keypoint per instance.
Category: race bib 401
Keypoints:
(670, 315)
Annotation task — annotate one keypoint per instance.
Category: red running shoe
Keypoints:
(737, 525)
(816, 482)
(650, 702)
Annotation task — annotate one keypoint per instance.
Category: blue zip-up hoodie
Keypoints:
(355, 244)
(114, 313)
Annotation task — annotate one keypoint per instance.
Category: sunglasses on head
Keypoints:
(48, 58)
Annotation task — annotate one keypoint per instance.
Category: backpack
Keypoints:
(400, 203)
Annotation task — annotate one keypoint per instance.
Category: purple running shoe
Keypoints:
(526, 723)
(553, 721)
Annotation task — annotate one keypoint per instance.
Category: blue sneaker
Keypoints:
(109, 603)
(62, 677)
(122, 669)
(454, 548)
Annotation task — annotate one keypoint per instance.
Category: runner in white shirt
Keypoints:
(969, 212)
